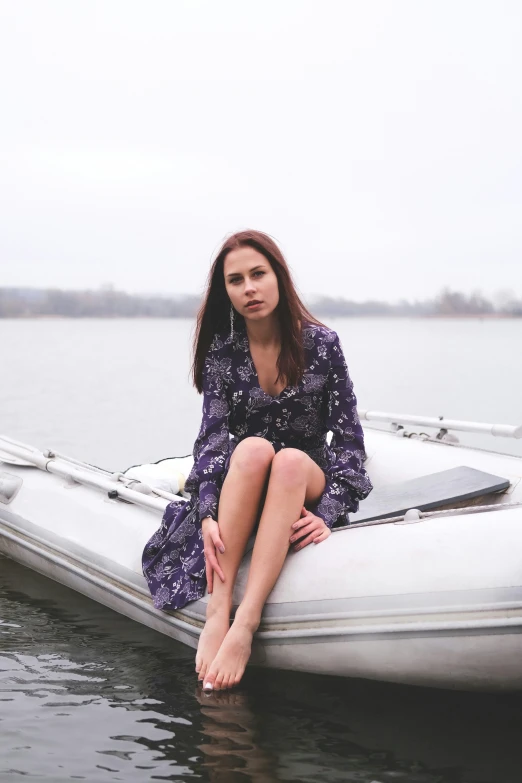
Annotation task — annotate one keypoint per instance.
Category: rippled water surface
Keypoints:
(87, 695)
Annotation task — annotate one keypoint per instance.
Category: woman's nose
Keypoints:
(249, 286)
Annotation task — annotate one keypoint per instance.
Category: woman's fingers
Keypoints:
(302, 522)
(303, 531)
(212, 542)
(324, 535)
(211, 529)
(216, 539)
(211, 557)
(306, 541)
(313, 536)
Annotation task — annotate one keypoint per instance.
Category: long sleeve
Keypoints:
(346, 479)
(212, 443)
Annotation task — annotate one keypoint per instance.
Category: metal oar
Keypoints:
(115, 484)
(498, 430)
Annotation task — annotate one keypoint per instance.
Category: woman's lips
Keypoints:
(254, 305)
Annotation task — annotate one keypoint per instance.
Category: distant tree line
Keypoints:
(447, 303)
(106, 302)
(102, 303)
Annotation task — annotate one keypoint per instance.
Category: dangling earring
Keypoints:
(231, 320)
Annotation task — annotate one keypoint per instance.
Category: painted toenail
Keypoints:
(207, 686)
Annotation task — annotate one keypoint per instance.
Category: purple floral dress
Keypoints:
(234, 408)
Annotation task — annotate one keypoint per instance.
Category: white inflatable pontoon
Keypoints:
(424, 588)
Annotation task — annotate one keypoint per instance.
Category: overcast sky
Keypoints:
(378, 142)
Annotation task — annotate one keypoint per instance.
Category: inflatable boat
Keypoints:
(424, 586)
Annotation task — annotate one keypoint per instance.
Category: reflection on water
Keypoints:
(86, 694)
(232, 748)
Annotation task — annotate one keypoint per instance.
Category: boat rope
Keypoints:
(448, 512)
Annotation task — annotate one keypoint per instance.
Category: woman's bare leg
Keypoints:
(238, 511)
(294, 479)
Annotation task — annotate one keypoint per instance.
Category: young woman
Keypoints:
(274, 382)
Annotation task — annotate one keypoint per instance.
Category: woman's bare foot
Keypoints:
(212, 635)
(229, 664)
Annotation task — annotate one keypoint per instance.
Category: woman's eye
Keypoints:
(258, 273)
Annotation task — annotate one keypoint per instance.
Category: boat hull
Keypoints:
(434, 603)
(468, 649)
(462, 658)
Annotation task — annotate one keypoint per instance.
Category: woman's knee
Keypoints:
(290, 467)
(253, 455)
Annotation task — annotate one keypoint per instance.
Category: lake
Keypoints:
(86, 694)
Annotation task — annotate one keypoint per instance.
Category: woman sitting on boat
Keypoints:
(274, 382)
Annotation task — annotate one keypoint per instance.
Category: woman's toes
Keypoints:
(209, 681)
(212, 635)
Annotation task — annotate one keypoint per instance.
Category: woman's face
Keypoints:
(251, 283)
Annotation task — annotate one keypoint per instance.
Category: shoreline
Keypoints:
(99, 317)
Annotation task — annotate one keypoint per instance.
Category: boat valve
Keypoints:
(410, 517)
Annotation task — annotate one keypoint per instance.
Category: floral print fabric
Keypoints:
(236, 407)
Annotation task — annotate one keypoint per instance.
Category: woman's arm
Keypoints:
(346, 479)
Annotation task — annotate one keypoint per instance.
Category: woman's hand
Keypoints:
(211, 542)
(310, 526)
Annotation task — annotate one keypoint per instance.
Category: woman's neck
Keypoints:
(265, 333)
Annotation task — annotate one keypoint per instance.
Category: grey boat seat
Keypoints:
(432, 491)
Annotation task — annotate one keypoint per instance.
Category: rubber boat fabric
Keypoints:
(435, 603)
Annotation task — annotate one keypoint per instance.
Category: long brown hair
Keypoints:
(214, 314)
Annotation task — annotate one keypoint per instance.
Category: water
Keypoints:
(117, 392)
(87, 694)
